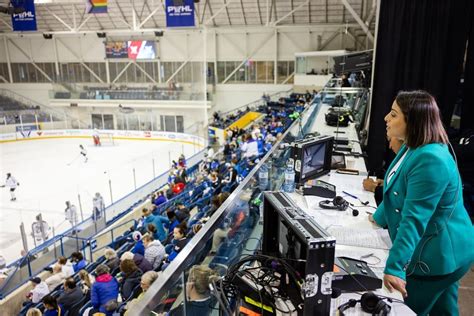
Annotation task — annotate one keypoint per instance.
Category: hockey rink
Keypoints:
(52, 171)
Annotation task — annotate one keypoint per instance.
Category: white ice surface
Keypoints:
(47, 181)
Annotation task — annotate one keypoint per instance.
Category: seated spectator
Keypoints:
(194, 230)
(179, 240)
(131, 276)
(40, 290)
(51, 307)
(146, 281)
(154, 251)
(151, 230)
(139, 260)
(71, 295)
(173, 219)
(182, 212)
(104, 290)
(138, 248)
(111, 259)
(78, 261)
(56, 279)
(178, 186)
(182, 161)
(66, 266)
(156, 220)
(86, 281)
(34, 312)
(199, 300)
(250, 147)
(160, 198)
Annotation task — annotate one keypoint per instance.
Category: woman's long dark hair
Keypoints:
(422, 117)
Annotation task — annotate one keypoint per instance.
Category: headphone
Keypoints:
(370, 303)
(339, 204)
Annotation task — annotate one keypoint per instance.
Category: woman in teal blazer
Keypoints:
(431, 232)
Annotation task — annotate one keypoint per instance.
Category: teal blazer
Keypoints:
(423, 210)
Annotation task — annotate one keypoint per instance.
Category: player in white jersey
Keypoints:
(40, 231)
(98, 206)
(71, 214)
(11, 183)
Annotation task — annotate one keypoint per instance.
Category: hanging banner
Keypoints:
(179, 13)
(25, 21)
(96, 6)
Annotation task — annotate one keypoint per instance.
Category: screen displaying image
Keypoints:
(116, 49)
(313, 158)
(141, 50)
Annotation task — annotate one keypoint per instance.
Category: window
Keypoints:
(171, 123)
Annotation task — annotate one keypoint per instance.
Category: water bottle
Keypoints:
(263, 177)
(289, 184)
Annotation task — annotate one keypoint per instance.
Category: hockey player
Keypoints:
(83, 152)
(71, 214)
(40, 231)
(98, 206)
(12, 184)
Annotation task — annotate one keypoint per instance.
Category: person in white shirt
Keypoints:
(56, 279)
(98, 206)
(40, 290)
(66, 267)
(249, 147)
(71, 213)
(12, 184)
(40, 231)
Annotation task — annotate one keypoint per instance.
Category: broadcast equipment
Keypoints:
(289, 233)
(311, 157)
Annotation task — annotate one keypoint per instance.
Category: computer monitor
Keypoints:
(289, 233)
(312, 157)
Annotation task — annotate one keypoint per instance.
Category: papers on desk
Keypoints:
(375, 238)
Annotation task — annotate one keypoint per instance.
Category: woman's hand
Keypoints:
(392, 282)
(370, 184)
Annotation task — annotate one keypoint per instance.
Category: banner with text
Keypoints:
(26, 20)
(179, 13)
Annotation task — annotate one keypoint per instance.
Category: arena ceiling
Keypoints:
(68, 16)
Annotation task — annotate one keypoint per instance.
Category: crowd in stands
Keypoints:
(117, 280)
(10, 111)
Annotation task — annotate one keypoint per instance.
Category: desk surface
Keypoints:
(345, 223)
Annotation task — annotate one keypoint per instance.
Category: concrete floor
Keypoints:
(466, 294)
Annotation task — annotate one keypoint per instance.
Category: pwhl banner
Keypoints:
(96, 6)
(179, 13)
(25, 21)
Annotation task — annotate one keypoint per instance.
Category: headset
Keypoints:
(339, 204)
(370, 303)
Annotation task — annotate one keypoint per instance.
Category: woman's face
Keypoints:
(395, 121)
(177, 233)
(145, 286)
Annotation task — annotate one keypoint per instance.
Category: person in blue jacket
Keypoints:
(78, 260)
(156, 220)
(139, 247)
(422, 207)
(104, 291)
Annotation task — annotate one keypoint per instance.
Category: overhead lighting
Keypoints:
(47, 36)
(158, 33)
(101, 34)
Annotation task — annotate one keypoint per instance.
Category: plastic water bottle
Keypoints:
(289, 184)
(263, 177)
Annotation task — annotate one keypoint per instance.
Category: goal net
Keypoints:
(102, 139)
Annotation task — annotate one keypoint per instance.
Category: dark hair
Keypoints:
(50, 300)
(182, 228)
(171, 214)
(128, 266)
(422, 117)
(70, 283)
(77, 256)
(151, 228)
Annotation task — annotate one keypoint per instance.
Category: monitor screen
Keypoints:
(313, 158)
(136, 50)
(118, 49)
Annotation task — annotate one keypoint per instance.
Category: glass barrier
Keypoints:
(233, 231)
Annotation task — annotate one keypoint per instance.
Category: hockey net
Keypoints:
(105, 139)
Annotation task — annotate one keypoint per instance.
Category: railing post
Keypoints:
(110, 189)
(153, 163)
(134, 179)
(23, 237)
(80, 207)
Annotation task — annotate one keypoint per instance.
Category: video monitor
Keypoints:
(312, 157)
(136, 50)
